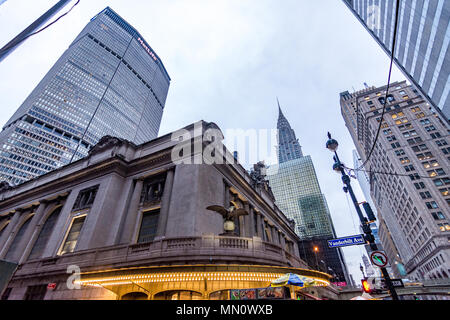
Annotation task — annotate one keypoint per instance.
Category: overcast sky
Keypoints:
(229, 60)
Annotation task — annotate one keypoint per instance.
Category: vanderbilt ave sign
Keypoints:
(347, 241)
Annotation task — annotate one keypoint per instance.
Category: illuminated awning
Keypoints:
(189, 273)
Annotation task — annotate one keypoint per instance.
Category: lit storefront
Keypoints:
(211, 282)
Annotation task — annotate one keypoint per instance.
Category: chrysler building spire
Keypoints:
(288, 145)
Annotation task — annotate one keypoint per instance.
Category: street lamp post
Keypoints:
(332, 145)
(315, 253)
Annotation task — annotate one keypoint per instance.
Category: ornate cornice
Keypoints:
(107, 142)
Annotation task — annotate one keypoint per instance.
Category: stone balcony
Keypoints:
(210, 249)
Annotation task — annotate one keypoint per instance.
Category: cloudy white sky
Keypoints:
(229, 60)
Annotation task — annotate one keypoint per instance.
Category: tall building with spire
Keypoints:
(297, 193)
(108, 82)
(288, 146)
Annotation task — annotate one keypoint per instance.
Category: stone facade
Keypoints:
(128, 211)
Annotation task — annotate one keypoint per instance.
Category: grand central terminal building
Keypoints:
(129, 222)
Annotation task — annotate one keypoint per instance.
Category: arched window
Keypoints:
(44, 235)
(17, 239)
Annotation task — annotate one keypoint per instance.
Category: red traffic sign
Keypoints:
(51, 286)
(379, 259)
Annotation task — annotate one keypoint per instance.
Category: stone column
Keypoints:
(274, 232)
(267, 233)
(248, 221)
(259, 232)
(165, 205)
(283, 242)
(9, 232)
(132, 213)
(227, 196)
(295, 248)
(32, 232)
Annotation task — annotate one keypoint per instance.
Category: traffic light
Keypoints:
(369, 238)
(366, 286)
(369, 212)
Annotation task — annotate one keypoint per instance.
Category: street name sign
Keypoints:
(379, 284)
(347, 241)
(398, 283)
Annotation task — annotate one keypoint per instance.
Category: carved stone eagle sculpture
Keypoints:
(228, 216)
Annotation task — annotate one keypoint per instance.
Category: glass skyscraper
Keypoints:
(298, 195)
(422, 46)
(108, 82)
(297, 192)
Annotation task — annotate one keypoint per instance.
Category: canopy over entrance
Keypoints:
(203, 279)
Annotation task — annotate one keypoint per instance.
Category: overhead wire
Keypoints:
(360, 168)
(388, 84)
(391, 173)
(40, 30)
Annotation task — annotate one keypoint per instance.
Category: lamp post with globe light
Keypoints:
(332, 145)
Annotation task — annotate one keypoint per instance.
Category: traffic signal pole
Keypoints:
(364, 222)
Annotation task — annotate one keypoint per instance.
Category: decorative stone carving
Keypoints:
(292, 223)
(106, 142)
(228, 217)
(5, 186)
(258, 176)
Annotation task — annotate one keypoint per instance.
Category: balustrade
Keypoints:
(189, 246)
